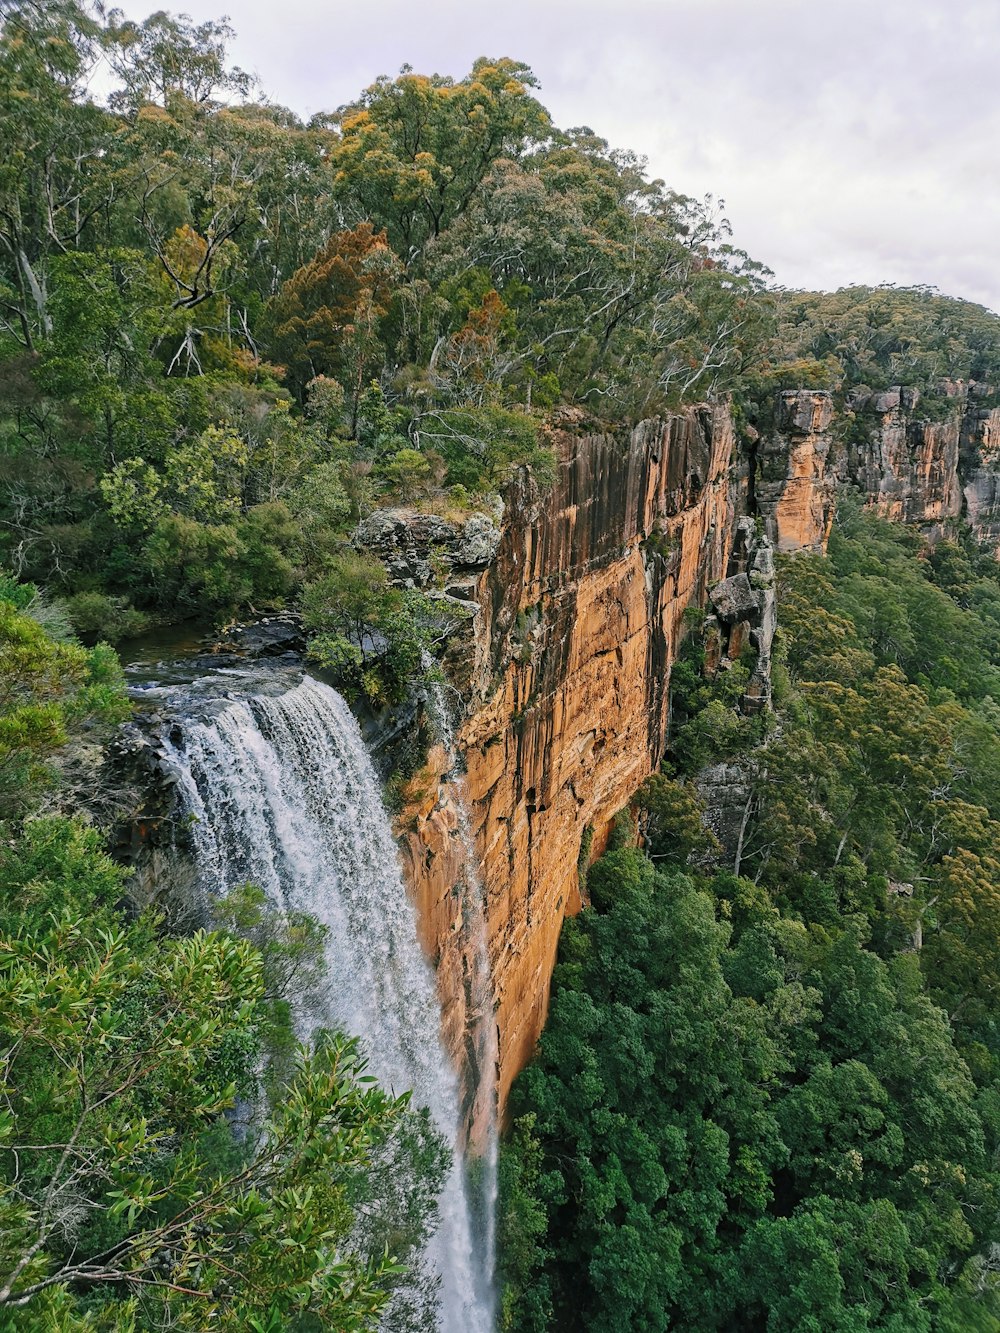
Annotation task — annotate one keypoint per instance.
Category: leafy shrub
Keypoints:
(98, 615)
(370, 636)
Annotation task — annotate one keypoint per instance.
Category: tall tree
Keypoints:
(327, 318)
(414, 149)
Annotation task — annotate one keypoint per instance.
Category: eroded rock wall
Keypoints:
(796, 478)
(981, 473)
(914, 460)
(580, 616)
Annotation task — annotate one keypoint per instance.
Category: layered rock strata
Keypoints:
(580, 617)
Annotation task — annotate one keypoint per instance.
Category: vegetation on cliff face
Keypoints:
(769, 1100)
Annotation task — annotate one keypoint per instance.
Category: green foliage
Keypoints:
(674, 830)
(369, 636)
(326, 320)
(878, 795)
(49, 692)
(131, 1192)
(95, 615)
(883, 336)
(707, 723)
(481, 446)
(525, 1301)
(431, 271)
(413, 150)
(729, 1126)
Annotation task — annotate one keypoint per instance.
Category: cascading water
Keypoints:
(285, 797)
(483, 1024)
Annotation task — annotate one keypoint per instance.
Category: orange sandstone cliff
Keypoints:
(580, 598)
(580, 616)
(913, 462)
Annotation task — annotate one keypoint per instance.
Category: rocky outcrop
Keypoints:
(726, 792)
(743, 624)
(928, 461)
(981, 470)
(795, 482)
(419, 549)
(906, 465)
(580, 615)
(745, 613)
(270, 636)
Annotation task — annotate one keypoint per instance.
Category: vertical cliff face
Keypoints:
(906, 464)
(915, 461)
(796, 479)
(981, 473)
(580, 616)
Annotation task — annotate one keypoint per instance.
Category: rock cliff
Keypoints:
(795, 479)
(580, 596)
(925, 460)
(577, 598)
(580, 614)
(981, 474)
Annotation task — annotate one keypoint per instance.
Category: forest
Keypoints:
(768, 1094)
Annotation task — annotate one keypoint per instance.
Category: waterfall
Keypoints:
(284, 796)
(483, 1024)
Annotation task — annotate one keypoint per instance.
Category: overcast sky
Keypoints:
(852, 140)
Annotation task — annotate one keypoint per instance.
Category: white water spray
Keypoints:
(285, 797)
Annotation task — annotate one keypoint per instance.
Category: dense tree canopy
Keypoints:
(767, 1099)
(881, 336)
(126, 1197)
(180, 265)
(739, 1122)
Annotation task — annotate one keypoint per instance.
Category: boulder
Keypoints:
(734, 600)
(271, 636)
(418, 548)
(478, 542)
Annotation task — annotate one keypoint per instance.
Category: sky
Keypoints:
(853, 141)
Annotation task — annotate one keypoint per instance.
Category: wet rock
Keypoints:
(271, 636)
